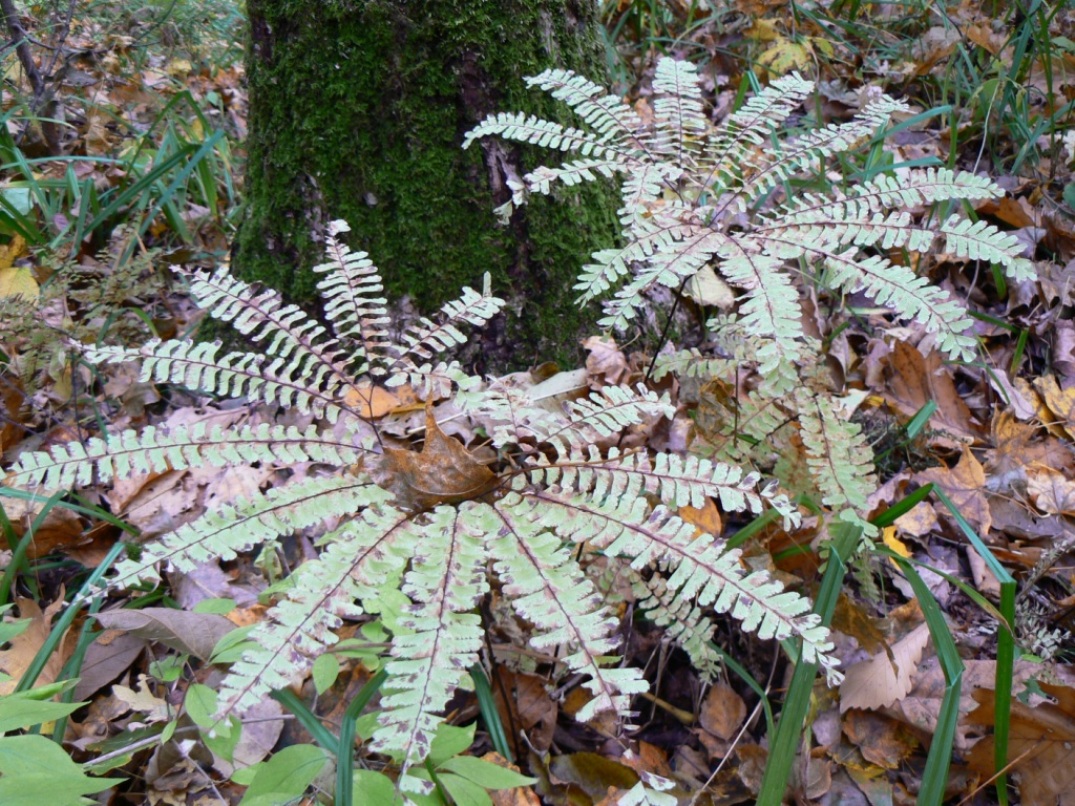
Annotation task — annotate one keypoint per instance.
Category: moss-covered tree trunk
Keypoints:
(358, 110)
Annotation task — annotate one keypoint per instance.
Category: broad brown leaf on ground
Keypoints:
(881, 739)
(531, 708)
(965, 485)
(887, 677)
(720, 717)
(914, 380)
(1041, 746)
(16, 659)
(444, 472)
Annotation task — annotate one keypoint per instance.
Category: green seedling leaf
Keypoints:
(285, 776)
(231, 646)
(374, 787)
(219, 607)
(24, 709)
(325, 671)
(485, 773)
(34, 770)
(465, 791)
(450, 741)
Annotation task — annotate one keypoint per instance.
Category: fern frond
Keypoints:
(922, 186)
(290, 336)
(839, 457)
(605, 114)
(700, 568)
(427, 338)
(691, 364)
(641, 190)
(352, 293)
(909, 295)
(549, 589)
(691, 247)
(439, 639)
(221, 534)
(729, 148)
(359, 557)
(199, 366)
(683, 622)
(979, 240)
(547, 134)
(676, 480)
(648, 236)
(615, 408)
(541, 180)
(677, 108)
(771, 312)
(151, 450)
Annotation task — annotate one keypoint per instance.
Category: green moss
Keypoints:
(358, 111)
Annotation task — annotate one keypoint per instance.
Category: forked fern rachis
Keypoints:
(698, 197)
(433, 523)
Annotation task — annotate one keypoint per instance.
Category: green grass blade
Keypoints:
(1005, 644)
(490, 714)
(788, 735)
(935, 776)
(345, 755)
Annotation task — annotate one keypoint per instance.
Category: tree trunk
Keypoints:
(358, 110)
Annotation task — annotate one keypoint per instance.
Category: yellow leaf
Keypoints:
(10, 252)
(888, 535)
(1050, 491)
(371, 401)
(1061, 402)
(706, 519)
(784, 56)
(18, 281)
(765, 31)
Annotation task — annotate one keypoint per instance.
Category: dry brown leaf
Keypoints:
(964, 484)
(1041, 745)
(722, 712)
(16, 659)
(914, 380)
(1050, 491)
(606, 360)
(444, 472)
(883, 680)
(881, 739)
(61, 530)
(707, 519)
(530, 709)
(1058, 412)
(371, 401)
(519, 796)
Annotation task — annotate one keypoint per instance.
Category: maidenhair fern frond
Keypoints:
(352, 293)
(222, 533)
(841, 461)
(439, 637)
(439, 525)
(155, 451)
(549, 589)
(682, 204)
(201, 367)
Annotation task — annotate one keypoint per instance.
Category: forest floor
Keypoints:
(137, 167)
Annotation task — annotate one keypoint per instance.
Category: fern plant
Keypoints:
(435, 523)
(698, 196)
